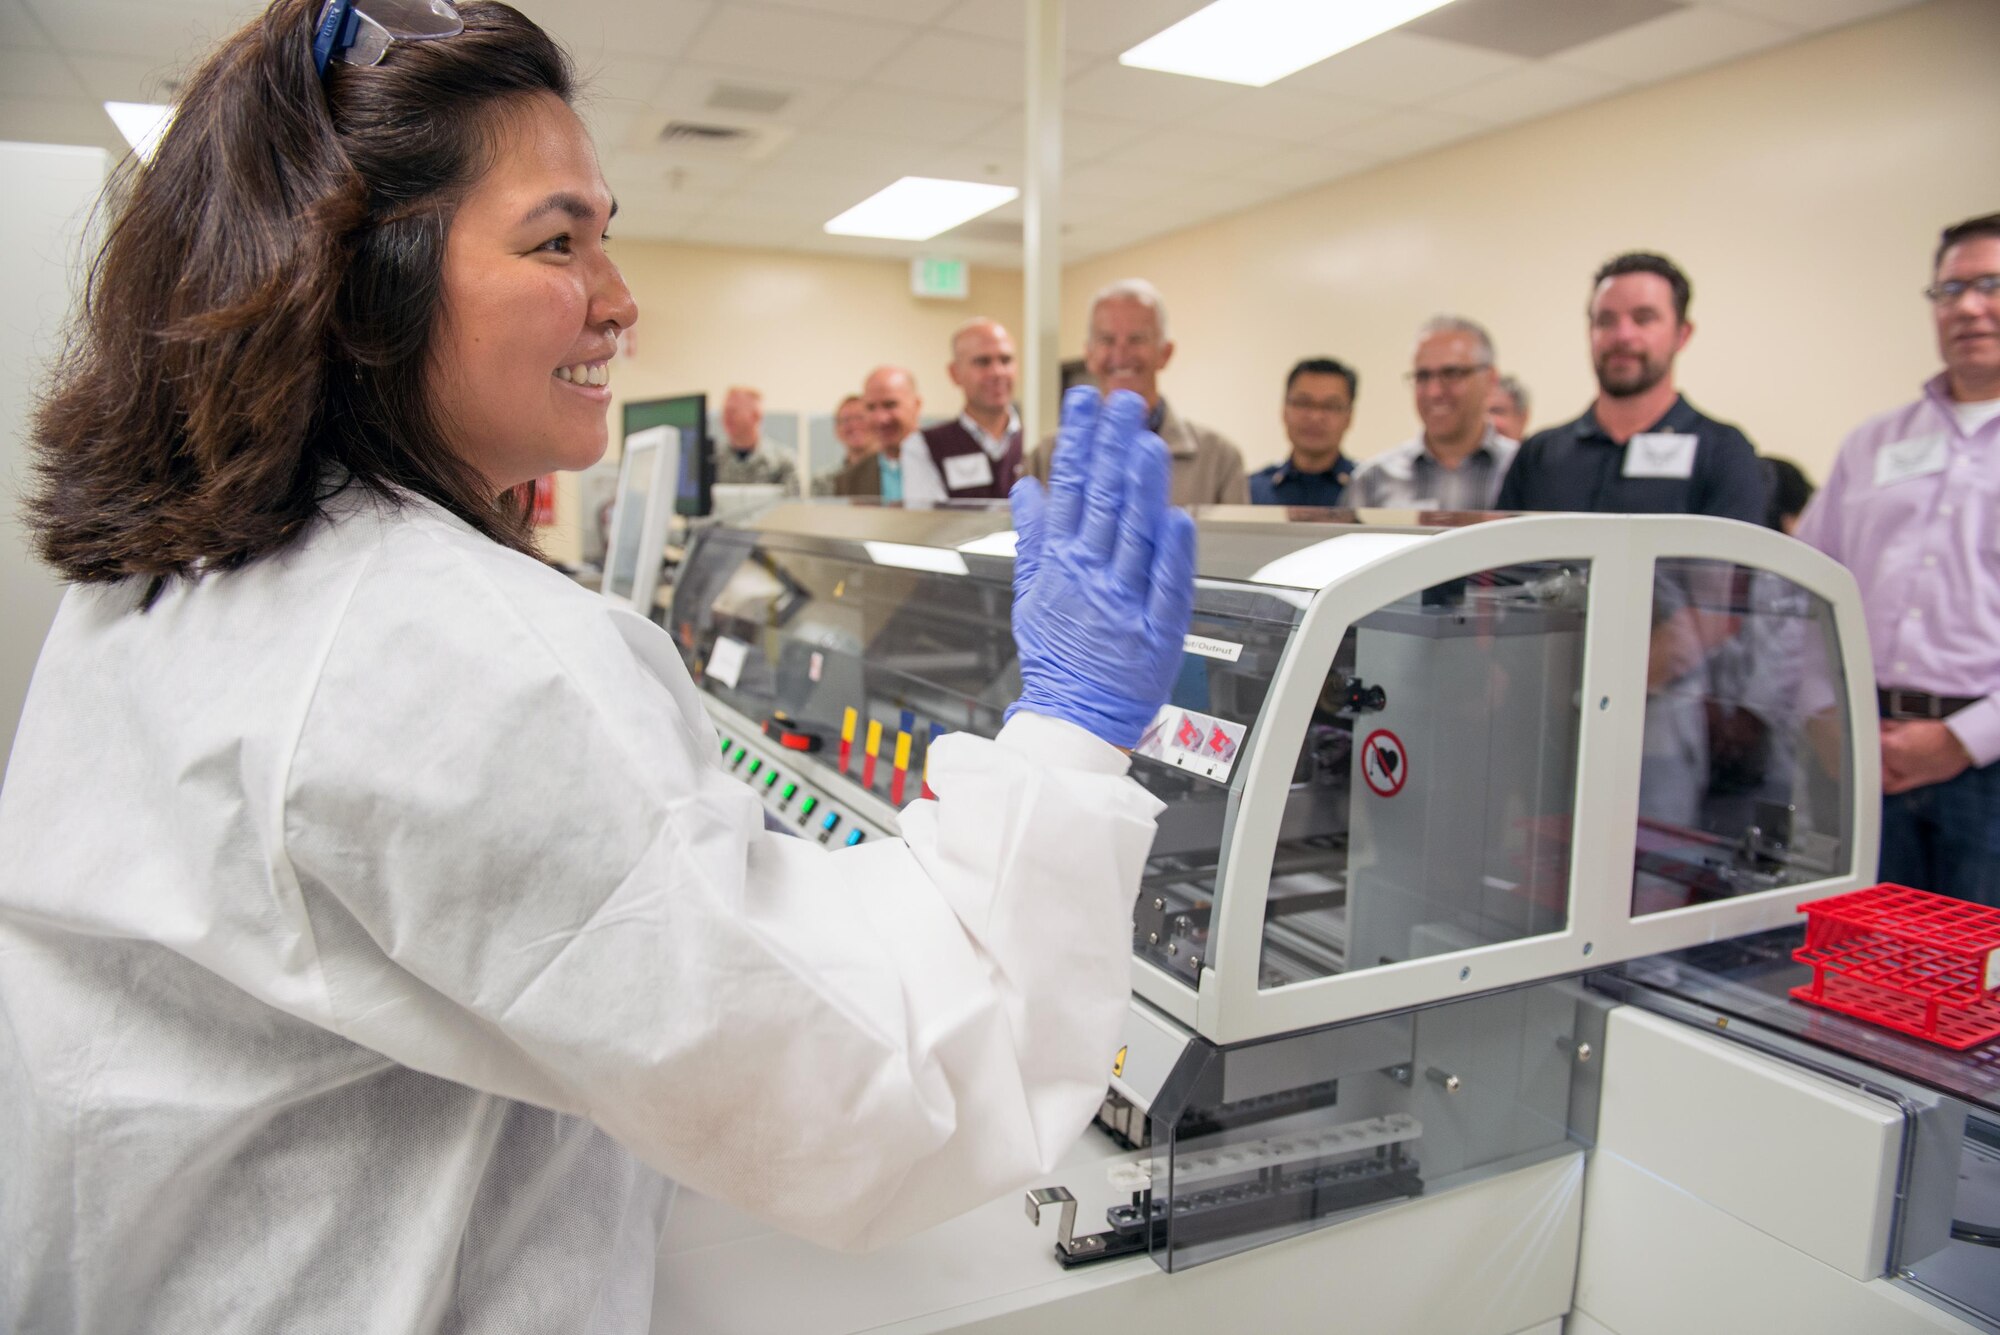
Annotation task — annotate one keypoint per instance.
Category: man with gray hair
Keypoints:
(1457, 461)
(1128, 347)
(1508, 407)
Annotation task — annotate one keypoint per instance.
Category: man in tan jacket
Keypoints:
(1128, 349)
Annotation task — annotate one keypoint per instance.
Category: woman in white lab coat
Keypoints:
(379, 938)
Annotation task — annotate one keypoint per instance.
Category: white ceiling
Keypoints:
(876, 89)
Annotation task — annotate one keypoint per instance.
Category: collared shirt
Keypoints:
(1206, 469)
(923, 480)
(892, 475)
(1578, 466)
(1408, 476)
(1288, 484)
(764, 464)
(1912, 508)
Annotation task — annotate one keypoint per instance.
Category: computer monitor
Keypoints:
(687, 415)
(636, 544)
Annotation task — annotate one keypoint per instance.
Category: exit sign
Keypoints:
(950, 279)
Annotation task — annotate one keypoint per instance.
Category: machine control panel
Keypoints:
(801, 806)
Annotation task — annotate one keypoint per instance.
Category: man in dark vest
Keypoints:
(977, 456)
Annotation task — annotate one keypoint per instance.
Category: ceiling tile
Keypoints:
(1813, 15)
(1118, 90)
(27, 121)
(164, 34)
(786, 41)
(630, 172)
(126, 79)
(689, 86)
(900, 11)
(1116, 182)
(1535, 28)
(1302, 167)
(1402, 69)
(1195, 152)
(954, 66)
(969, 162)
(921, 117)
(19, 30)
(1084, 136)
(43, 74)
(1677, 44)
(1090, 27)
(619, 79)
(1526, 94)
(1402, 134)
(625, 28)
(823, 149)
(1287, 114)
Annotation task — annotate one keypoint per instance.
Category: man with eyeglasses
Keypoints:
(1912, 507)
(1640, 448)
(1457, 460)
(1319, 405)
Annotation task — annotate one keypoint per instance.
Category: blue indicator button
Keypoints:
(832, 819)
(854, 837)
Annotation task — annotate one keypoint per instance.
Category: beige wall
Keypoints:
(1802, 190)
(804, 329)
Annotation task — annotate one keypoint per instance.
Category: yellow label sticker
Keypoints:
(874, 737)
(847, 721)
(1118, 1062)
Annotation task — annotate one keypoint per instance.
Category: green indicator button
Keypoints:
(726, 744)
(771, 779)
(736, 756)
(755, 766)
(789, 791)
(806, 807)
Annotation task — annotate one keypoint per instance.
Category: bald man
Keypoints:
(890, 396)
(977, 456)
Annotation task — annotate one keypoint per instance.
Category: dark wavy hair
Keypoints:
(256, 329)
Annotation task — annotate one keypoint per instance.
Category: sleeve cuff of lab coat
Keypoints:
(1058, 742)
(1977, 728)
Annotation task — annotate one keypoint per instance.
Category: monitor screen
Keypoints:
(628, 523)
(688, 415)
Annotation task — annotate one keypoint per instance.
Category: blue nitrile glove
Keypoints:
(1103, 573)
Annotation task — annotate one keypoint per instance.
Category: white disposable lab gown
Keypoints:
(380, 936)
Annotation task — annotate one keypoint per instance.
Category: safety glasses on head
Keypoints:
(358, 35)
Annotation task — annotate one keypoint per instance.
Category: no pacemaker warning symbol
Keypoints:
(1385, 768)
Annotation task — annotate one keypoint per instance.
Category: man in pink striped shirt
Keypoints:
(1913, 509)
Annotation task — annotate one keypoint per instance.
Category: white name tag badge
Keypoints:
(1668, 454)
(962, 471)
(1919, 456)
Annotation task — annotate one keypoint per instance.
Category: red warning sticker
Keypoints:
(1385, 767)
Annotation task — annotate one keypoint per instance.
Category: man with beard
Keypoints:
(1912, 507)
(1128, 348)
(978, 456)
(1640, 448)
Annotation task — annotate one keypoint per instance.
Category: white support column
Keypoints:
(1041, 234)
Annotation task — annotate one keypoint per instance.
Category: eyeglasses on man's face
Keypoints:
(1951, 289)
(1451, 376)
(1331, 407)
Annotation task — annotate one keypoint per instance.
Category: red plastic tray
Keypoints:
(1922, 964)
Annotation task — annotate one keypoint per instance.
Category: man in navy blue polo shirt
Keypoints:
(1640, 448)
(1319, 406)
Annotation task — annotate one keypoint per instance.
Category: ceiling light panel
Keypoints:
(1258, 42)
(142, 124)
(917, 208)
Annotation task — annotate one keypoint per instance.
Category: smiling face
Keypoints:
(982, 366)
(520, 366)
(1635, 333)
(856, 432)
(1125, 349)
(1452, 376)
(1968, 326)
